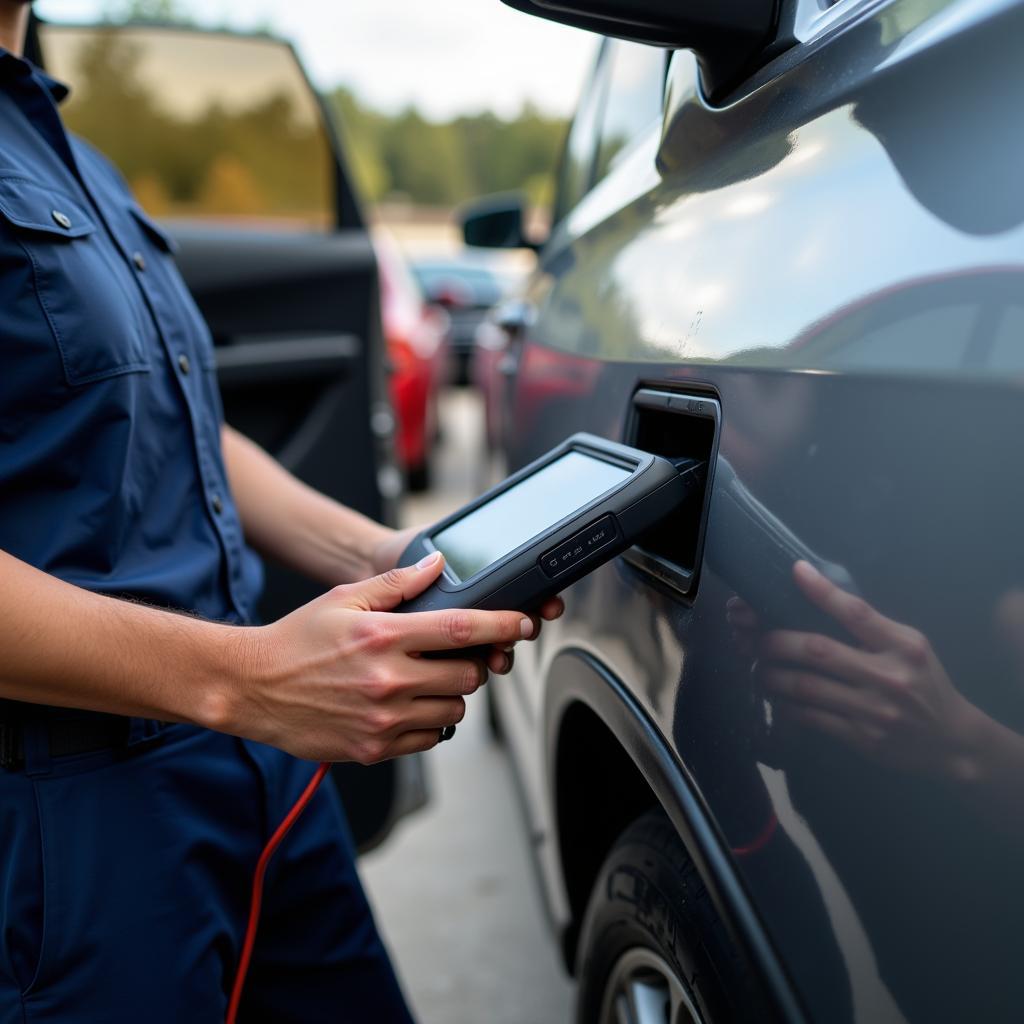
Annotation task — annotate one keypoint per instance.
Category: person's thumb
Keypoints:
(390, 589)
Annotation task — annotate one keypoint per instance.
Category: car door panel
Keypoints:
(855, 303)
(297, 342)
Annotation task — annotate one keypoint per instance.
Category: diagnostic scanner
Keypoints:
(550, 524)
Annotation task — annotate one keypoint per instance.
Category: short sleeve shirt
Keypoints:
(111, 473)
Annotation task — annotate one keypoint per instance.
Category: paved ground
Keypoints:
(453, 887)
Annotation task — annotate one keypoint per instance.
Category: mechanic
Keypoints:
(148, 754)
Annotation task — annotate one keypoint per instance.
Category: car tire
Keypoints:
(653, 950)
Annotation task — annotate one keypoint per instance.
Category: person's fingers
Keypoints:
(433, 713)
(808, 690)
(740, 615)
(461, 627)
(413, 743)
(440, 677)
(390, 589)
(818, 653)
(823, 722)
(552, 609)
(499, 661)
(869, 626)
(535, 632)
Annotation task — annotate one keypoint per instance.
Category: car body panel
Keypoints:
(837, 254)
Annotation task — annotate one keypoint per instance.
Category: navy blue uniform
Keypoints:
(125, 873)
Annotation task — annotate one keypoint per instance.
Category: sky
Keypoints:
(446, 56)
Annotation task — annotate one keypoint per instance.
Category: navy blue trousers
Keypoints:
(125, 882)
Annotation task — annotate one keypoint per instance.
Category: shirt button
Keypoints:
(216, 504)
(139, 260)
(183, 364)
(61, 218)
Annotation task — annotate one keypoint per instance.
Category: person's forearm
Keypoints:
(66, 646)
(294, 524)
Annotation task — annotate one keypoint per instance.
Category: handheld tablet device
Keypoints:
(550, 524)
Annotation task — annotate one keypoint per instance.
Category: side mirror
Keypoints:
(496, 222)
(726, 35)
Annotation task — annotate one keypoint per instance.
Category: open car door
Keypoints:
(223, 139)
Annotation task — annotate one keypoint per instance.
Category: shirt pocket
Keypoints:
(80, 282)
(186, 306)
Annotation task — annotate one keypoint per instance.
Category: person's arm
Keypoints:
(296, 525)
(66, 646)
(339, 679)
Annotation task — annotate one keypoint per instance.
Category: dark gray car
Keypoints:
(794, 251)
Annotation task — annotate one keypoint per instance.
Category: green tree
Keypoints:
(146, 10)
(448, 162)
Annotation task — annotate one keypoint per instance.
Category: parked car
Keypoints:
(417, 334)
(271, 240)
(788, 241)
(466, 286)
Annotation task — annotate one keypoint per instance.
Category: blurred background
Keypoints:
(435, 105)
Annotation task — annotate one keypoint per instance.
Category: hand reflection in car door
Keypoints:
(887, 696)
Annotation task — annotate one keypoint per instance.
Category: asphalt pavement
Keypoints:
(453, 888)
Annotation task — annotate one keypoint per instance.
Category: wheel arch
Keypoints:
(591, 719)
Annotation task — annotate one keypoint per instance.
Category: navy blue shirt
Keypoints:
(111, 475)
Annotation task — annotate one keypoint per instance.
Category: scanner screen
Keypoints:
(513, 517)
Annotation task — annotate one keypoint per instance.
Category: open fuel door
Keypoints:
(225, 143)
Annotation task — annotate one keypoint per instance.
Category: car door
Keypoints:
(225, 143)
(834, 256)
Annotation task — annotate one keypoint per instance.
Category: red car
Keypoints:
(417, 338)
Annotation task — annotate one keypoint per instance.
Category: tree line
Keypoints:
(442, 163)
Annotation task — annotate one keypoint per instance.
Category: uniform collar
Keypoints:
(12, 67)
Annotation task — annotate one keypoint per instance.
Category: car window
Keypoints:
(635, 93)
(482, 287)
(576, 175)
(203, 125)
(1008, 343)
(929, 339)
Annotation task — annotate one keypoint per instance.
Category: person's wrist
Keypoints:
(237, 659)
(966, 763)
(389, 547)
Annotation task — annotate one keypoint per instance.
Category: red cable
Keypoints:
(257, 887)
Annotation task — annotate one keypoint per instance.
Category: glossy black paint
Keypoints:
(837, 253)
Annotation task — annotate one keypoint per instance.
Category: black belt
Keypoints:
(67, 733)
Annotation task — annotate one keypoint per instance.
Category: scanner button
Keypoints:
(579, 546)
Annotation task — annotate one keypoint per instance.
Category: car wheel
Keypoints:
(652, 948)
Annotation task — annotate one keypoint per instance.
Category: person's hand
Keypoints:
(388, 551)
(889, 698)
(341, 679)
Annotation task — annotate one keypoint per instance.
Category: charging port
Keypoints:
(684, 429)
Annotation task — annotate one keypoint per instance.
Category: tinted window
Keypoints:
(635, 90)
(203, 125)
(1008, 343)
(477, 287)
(581, 147)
